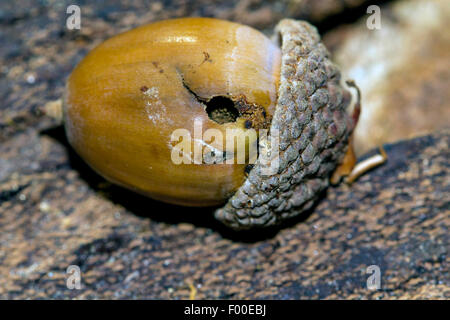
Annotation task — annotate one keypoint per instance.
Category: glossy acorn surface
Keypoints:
(126, 97)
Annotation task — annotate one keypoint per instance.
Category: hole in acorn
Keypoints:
(222, 110)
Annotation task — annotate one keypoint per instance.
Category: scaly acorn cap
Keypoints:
(314, 125)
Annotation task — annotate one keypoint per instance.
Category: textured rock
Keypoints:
(55, 212)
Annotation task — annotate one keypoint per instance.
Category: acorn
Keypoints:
(206, 112)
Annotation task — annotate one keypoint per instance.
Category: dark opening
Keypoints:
(222, 110)
(279, 40)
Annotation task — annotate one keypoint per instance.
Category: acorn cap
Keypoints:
(314, 126)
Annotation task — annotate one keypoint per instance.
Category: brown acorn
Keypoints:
(129, 98)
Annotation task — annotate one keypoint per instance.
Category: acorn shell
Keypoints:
(124, 100)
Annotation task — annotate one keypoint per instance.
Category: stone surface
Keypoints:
(403, 70)
(56, 212)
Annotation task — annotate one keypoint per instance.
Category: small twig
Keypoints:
(366, 165)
